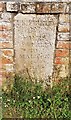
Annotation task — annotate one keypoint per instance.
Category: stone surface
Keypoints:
(35, 45)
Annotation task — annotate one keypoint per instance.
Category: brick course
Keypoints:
(63, 45)
(62, 60)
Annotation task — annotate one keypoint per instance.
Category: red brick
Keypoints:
(58, 60)
(6, 35)
(62, 53)
(0, 63)
(7, 56)
(61, 60)
(70, 45)
(54, 7)
(64, 18)
(63, 44)
(6, 44)
(2, 27)
(7, 52)
(2, 6)
(61, 7)
(3, 35)
(0, 44)
(7, 74)
(0, 80)
(0, 71)
(6, 60)
(43, 8)
(5, 26)
(63, 27)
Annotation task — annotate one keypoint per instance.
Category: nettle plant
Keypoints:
(28, 99)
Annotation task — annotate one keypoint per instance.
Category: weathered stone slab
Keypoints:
(35, 44)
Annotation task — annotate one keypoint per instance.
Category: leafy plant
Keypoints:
(28, 99)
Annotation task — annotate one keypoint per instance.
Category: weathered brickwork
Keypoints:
(6, 41)
(2, 6)
(61, 12)
(63, 44)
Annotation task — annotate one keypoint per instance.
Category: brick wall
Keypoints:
(6, 42)
(63, 46)
(8, 10)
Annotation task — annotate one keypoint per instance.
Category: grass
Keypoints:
(28, 99)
